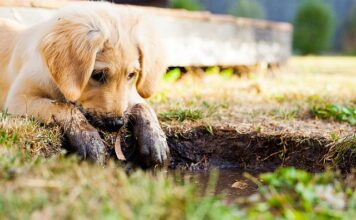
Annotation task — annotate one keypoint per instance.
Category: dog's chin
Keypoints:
(104, 122)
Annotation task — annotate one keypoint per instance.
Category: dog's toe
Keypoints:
(87, 145)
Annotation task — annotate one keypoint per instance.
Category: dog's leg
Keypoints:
(152, 146)
(83, 138)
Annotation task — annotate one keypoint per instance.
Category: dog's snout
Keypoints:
(114, 123)
(105, 123)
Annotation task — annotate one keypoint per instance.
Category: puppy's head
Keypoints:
(103, 61)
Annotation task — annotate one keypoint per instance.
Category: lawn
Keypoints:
(312, 97)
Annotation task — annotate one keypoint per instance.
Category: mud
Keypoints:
(230, 183)
(195, 151)
(199, 149)
(227, 148)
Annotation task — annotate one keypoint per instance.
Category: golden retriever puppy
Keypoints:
(85, 68)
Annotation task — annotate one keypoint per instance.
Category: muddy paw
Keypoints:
(152, 148)
(87, 143)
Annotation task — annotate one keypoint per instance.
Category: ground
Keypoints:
(307, 104)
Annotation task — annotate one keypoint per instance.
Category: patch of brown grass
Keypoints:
(283, 97)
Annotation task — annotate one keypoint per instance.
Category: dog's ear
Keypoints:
(69, 50)
(152, 61)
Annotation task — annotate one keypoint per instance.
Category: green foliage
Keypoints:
(349, 37)
(191, 5)
(336, 112)
(172, 75)
(212, 70)
(227, 73)
(313, 27)
(7, 138)
(290, 193)
(248, 9)
(284, 114)
(215, 70)
(182, 115)
(63, 188)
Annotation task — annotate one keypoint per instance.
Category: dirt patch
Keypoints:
(200, 148)
(226, 148)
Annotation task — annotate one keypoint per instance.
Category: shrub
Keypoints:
(248, 9)
(314, 26)
(191, 5)
(349, 36)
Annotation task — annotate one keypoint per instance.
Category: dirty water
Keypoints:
(230, 183)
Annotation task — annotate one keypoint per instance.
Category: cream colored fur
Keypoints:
(53, 61)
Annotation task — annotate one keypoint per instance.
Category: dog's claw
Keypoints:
(87, 144)
(152, 144)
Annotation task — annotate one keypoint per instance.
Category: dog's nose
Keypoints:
(114, 123)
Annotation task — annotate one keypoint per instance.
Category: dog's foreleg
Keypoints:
(152, 144)
(83, 138)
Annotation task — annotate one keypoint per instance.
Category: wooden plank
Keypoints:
(193, 38)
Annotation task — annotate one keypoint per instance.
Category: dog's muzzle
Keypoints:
(113, 124)
(102, 121)
(105, 123)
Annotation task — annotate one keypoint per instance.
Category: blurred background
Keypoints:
(321, 26)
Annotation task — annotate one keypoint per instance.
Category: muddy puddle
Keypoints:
(230, 183)
(233, 152)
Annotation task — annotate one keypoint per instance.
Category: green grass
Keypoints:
(289, 193)
(282, 98)
(66, 189)
(191, 5)
(181, 115)
(172, 75)
(38, 181)
(336, 112)
(343, 151)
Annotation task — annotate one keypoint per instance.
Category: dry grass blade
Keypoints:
(343, 151)
(118, 150)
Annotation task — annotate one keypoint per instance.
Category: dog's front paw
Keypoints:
(87, 143)
(152, 146)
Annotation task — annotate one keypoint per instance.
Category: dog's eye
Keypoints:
(131, 75)
(99, 76)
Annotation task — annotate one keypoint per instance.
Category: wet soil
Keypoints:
(195, 151)
(226, 148)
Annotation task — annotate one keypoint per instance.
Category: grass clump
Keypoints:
(33, 186)
(29, 134)
(336, 112)
(181, 115)
(342, 152)
(313, 27)
(289, 193)
(172, 75)
(23, 141)
(65, 188)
